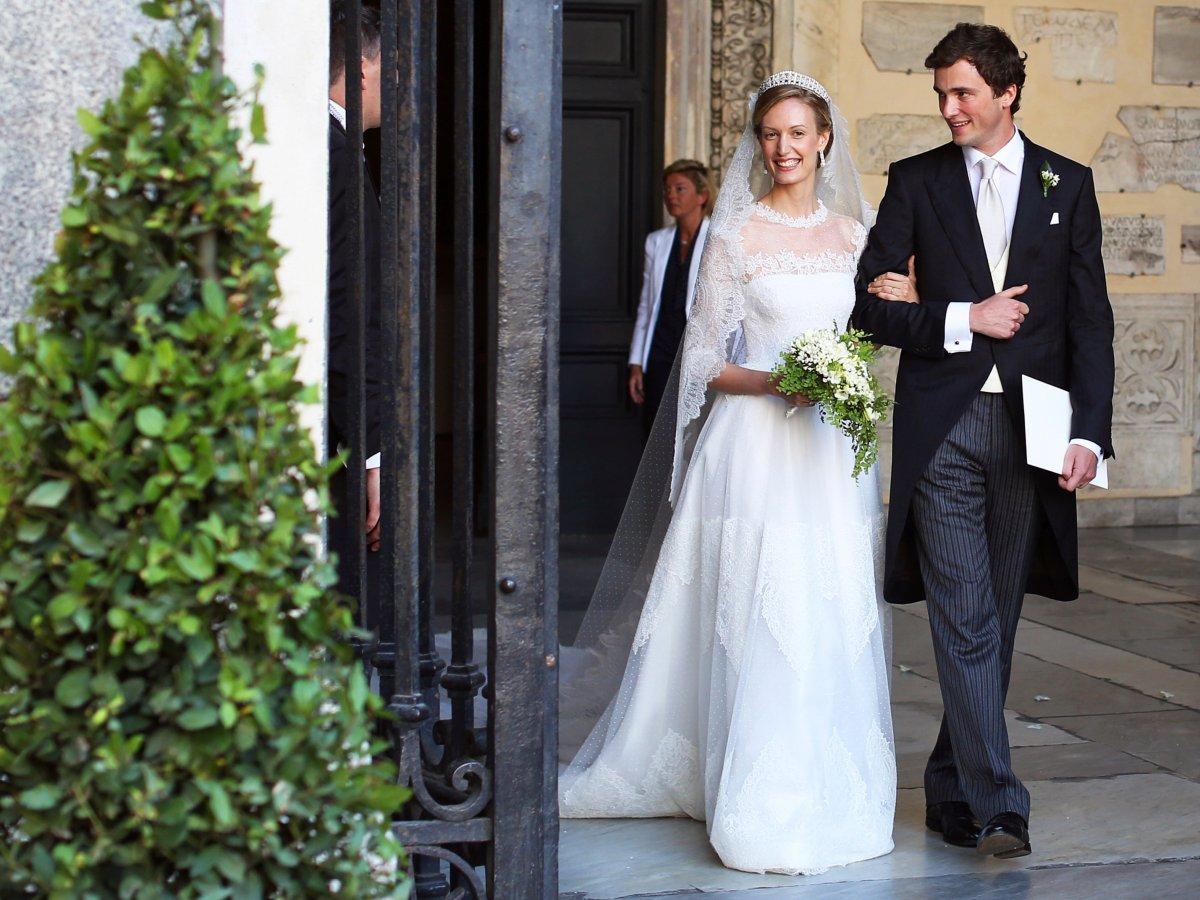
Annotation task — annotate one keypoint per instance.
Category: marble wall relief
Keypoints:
(1134, 245)
(899, 36)
(887, 137)
(1177, 45)
(1083, 42)
(1190, 244)
(741, 59)
(1164, 147)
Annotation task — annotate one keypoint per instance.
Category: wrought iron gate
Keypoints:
(484, 793)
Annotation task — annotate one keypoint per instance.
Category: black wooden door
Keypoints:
(610, 200)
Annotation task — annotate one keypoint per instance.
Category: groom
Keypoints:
(1007, 242)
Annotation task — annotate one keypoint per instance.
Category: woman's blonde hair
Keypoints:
(697, 173)
(774, 96)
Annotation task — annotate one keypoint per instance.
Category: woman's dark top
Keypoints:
(668, 330)
(672, 310)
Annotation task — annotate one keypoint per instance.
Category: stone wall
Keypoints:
(1112, 84)
(59, 57)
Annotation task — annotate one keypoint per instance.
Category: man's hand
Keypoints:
(637, 389)
(1079, 468)
(372, 524)
(1000, 315)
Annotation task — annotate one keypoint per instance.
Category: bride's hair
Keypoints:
(775, 95)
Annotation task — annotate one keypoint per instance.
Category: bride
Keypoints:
(732, 666)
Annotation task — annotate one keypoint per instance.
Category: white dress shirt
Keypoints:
(1011, 159)
(339, 112)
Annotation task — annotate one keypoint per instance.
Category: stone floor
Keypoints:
(1104, 718)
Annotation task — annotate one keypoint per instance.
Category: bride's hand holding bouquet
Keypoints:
(833, 369)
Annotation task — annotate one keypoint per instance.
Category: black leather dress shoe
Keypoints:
(954, 821)
(1005, 836)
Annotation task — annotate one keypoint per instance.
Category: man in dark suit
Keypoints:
(340, 298)
(1007, 242)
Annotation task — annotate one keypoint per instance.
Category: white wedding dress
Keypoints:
(755, 696)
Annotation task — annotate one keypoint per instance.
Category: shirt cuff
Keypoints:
(373, 461)
(958, 328)
(1095, 448)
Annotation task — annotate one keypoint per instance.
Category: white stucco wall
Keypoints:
(290, 40)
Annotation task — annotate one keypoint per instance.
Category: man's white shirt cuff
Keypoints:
(373, 460)
(958, 328)
(1095, 448)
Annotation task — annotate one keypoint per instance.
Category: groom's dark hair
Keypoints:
(369, 27)
(990, 50)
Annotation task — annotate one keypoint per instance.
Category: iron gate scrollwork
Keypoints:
(483, 793)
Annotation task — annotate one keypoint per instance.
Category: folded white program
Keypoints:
(1048, 428)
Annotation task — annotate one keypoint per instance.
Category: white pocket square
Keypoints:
(1054, 219)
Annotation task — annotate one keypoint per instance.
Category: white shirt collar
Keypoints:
(338, 112)
(1010, 156)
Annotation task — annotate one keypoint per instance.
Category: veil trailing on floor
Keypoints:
(594, 665)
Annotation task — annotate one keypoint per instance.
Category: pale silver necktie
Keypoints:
(989, 209)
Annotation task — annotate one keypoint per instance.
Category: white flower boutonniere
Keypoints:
(1049, 179)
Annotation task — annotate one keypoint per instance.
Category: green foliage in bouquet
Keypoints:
(179, 714)
(833, 369)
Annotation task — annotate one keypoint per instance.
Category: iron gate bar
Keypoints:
(401, 147)
(462, 679)
(526, 127)
(431, 664)
(355, 475)
(427, 871)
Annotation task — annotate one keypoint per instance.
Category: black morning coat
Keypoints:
(340, 360)
(1066, 339)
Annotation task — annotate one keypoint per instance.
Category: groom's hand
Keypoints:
(1000, 315)
(1079, 468)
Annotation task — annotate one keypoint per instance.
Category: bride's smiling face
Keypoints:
(790, 139)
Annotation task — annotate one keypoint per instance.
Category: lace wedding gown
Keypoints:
(755, 697)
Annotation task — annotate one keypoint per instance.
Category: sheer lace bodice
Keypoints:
(824, 249)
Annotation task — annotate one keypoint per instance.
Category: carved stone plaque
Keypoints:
(741, 59)
(1153, 346)
(887, 137)
(1134, 245)
(899, 36)
(1176, 45)
(1191, 243)
(1154, 404)
(1082, 41)
(1164, 147)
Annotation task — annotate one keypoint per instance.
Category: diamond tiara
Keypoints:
(790, 77)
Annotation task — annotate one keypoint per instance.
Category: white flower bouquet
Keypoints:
(833, 369)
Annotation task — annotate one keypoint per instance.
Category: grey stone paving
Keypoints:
(1104, 719)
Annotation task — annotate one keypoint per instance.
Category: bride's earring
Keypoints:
(821, 157)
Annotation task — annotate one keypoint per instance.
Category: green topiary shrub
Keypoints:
(179, 714)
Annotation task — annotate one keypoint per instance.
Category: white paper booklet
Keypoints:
(1048, 428)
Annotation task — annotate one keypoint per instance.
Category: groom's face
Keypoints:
(976, 117)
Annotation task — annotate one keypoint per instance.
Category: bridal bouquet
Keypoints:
(833, 369)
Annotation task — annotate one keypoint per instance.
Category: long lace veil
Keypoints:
(594, 665)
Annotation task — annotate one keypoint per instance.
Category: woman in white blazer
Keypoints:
(668, 284)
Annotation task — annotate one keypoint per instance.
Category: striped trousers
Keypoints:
(975, 514)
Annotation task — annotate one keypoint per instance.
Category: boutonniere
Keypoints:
(1049, 179)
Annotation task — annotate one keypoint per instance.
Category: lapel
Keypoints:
(950, 191)
(694, 268)
(1033, 217)
(662, 253)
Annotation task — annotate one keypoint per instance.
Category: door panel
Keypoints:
(611, 129)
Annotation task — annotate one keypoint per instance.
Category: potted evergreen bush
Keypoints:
(179, 713)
